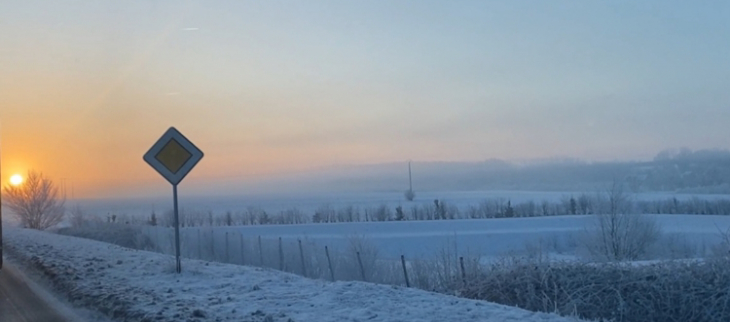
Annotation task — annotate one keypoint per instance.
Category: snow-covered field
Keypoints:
(425, 239)
(131, 285)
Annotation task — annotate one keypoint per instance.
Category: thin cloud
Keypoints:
(191, 29)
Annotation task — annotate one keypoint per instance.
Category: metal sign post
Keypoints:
(173, 156)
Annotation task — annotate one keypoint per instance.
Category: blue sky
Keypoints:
(274, 86)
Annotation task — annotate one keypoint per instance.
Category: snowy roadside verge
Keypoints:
(40, 287)
(130, 285)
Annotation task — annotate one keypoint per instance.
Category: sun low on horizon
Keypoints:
(16, 179)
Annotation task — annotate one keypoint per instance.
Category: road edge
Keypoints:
(42, 288)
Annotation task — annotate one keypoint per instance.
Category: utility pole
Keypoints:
(409, 193)
(410, 179)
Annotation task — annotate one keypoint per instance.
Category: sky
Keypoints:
(270, 87)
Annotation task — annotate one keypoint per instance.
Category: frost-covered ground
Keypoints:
(131, 285)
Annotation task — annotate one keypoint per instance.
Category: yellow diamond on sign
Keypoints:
(173, 156)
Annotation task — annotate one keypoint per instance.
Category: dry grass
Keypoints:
(665, 291)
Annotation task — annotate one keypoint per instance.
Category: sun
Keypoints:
(16, 179)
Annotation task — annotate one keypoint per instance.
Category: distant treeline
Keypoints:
(584, 204)
(703, 171)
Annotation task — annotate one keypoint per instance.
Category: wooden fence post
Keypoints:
(212, 243)
(243, 258)
(261, 253)
(463, 271)
(329, 263)
(405, 271)
(281, 255)
(228, 258)
(301, 255)
(200, 243)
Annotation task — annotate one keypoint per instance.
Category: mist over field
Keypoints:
(672, 174)
(676, 171)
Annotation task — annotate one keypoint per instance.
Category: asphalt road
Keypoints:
(18, 303)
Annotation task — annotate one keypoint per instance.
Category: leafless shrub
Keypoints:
(290, 216)
(440, 274)
(251, 215)
(368, 255)
(36, 203)
(619, 233)
(348, 214)
(324, 214)
(382, 213)
(542, 249)
(168, 218)
(723, 249)
(78, 217)
(130, 236)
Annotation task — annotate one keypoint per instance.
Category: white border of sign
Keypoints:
(173, 178)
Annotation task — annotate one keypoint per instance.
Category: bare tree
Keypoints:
(723, 249)
(78, 217)
(36, 203)
(620, 233)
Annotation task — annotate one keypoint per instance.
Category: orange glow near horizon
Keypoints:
(85, 90)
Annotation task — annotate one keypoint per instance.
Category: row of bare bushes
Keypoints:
(583, 204)
(697, 290)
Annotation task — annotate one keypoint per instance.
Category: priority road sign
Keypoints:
(173, 156)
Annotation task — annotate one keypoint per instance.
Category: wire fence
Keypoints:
(534, 282)
(357, 260)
